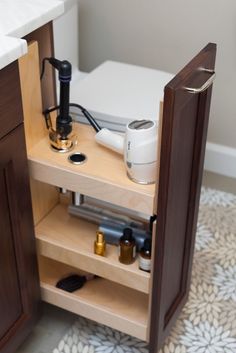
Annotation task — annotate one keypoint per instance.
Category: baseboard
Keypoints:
(220, 159)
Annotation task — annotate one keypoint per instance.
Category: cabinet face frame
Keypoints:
(12, 302)
(10, 99)
(184, 130)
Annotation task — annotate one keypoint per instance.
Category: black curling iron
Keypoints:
(61, 138)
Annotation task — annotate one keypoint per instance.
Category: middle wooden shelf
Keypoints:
(70, 240)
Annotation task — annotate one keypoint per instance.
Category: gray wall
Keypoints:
(66, 34)
(165, 35)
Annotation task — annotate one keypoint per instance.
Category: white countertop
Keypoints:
(20, 17)
(11, 49)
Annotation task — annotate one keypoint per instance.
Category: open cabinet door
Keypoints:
(184, 129)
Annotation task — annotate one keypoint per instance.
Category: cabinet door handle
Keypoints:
(205, 85)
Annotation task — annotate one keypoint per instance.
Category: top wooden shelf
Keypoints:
(102, 176)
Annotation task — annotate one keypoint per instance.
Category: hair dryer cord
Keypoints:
(87, 115)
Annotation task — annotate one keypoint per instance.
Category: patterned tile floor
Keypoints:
(208, 321)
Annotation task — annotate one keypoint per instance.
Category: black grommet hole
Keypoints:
(77, 158)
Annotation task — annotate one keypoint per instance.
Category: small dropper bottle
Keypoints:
(127, 247)
(145, 256)
(100, 244)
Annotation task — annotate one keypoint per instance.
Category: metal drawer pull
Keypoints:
(205, 85)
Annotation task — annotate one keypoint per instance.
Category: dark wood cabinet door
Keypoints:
(185, 121)
(19, 289)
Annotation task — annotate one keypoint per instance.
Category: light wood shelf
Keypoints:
(70, 240)
(102, 176)
(101, 300)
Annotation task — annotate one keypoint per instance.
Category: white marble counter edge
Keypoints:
(34, 21)
(11, 49)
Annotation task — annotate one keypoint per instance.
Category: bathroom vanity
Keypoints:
(145, 305)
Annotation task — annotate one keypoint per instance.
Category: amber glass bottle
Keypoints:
(145, 256)
(127, 247)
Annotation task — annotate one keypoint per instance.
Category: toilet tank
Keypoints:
(114, 93)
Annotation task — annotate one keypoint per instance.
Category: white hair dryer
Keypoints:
(139, 147)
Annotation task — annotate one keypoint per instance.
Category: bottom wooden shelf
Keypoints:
(100, 300)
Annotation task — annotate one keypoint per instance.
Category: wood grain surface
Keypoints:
(185, 121)
(70, 240)
(104, 301)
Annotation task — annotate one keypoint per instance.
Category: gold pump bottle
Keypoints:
(100, 244)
